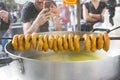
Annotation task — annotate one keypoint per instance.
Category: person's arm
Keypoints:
(57, 25)
(55, 14)
(86, 15)
(42, 17)
(98, 16)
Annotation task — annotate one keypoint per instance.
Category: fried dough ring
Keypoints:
(87, 42)
(40, 43)
(93, 42)
(71, 42)
(100, 41)
(15, 42)
(21, 42)
(60, 43)
(77, 43)
(27, 41)
(106, 42)
(45, 42)
(51, 41)
(65, 42)
(55, 45)
(34, 40)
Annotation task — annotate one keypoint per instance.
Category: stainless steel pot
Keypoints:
(31, 69)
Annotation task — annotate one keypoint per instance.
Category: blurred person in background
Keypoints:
(73, 21)
(35, 17)
(93, 12)
(14, 18)
(111, 4)
(5, 23)
(19, 12)
(64, 16)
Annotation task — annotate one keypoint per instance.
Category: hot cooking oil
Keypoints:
(69, 56)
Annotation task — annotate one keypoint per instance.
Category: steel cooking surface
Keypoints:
(105, 69)
(4, 75)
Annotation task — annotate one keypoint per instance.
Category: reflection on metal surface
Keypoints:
(21, 66)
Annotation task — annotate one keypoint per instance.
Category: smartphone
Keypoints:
(47, 4)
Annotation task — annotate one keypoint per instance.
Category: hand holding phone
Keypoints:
(47, 4)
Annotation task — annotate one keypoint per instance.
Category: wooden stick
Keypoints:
(81, 39)
(6, 38)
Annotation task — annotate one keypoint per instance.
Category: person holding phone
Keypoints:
(5, 24)
(35, 16)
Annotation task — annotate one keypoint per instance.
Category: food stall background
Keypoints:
(15, 7)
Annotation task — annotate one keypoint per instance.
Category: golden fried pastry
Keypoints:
(93, 42)
(87, 42)
(27, 41)
(60, 43)
(21, 42)
(100, 41)
(15, 42)
(45, 42)
(51, 41)
(106, 42)
(55, 44)
(71, 42)
(34, 40)
(40, 42)
(77, 43)
(65, 42)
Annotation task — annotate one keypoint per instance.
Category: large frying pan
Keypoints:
(31, 69)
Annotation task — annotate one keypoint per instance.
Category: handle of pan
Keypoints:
(6, 60)
(100, 29)
(5, 38)
(107, 30)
